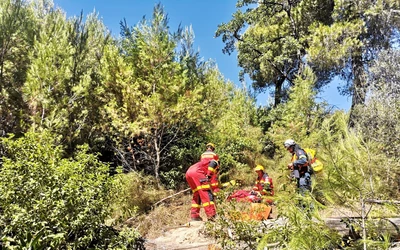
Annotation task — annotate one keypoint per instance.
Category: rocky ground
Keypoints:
(188, 236)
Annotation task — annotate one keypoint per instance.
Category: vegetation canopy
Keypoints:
(97, 132)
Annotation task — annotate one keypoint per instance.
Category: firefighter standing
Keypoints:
(299, 166)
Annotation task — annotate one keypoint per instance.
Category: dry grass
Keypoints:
(173, 212)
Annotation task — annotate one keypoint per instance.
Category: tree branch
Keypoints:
(166, 198)
(381, 202)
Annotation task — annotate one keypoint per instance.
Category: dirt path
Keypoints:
(189, 236)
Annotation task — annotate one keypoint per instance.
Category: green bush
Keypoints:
(136, 194)
(50, 201)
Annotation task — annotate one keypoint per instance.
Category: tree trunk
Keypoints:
(278, 91)
(359, 86)
(157, 162)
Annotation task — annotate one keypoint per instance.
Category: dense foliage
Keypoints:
(54, 202)
(77, 105)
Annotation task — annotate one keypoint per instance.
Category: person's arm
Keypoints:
(212, 168)
(266, 185)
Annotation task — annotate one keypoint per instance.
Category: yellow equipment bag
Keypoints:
(315, 164)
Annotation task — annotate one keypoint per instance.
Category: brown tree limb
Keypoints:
(168, 197)
(382, 201)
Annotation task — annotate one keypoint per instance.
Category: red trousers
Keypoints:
(202, 194)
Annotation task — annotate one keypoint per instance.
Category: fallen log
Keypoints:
(343, 225)
(168, 197)
(381, 202)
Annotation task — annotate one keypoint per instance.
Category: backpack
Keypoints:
(315, 164)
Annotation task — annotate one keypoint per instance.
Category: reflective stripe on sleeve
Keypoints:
(211, 169)
(201, 187)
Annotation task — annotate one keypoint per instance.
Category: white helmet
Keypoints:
(289, 142)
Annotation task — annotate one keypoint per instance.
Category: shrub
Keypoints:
(50, 201)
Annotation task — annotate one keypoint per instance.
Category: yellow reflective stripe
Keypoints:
(201, 187)
(207, 155)
(208, 204)
(211, 169)
(196, 205)
(214, 184)
(302, 156)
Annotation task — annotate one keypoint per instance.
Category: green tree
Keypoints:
(17, 31)
(333, 37)
(272, 48)
(51, 201)
(378, 119)
(64, 85)
(230, 121)
(348, 46)
(357, 170)
(301, 117)
(166, 104)
(179, 102)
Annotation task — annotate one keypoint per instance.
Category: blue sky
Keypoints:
(204, 17)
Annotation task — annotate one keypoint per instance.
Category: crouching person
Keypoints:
(198, 178)
(263, 185)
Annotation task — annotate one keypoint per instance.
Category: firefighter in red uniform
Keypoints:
(213, 159)
(263, 185)
(199, 177)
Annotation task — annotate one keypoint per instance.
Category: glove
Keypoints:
(290, 166)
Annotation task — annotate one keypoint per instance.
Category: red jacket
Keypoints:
(264, 185)
(211, 160)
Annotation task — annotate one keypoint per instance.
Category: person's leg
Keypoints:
(195, 209)
(305, 188)
(207, 200)
(304, 183)
(196, 202)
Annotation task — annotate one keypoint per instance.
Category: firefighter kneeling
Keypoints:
(263, 185)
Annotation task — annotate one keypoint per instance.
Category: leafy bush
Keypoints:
(50, 201)
(296, 229)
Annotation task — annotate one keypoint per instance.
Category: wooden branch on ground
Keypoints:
(382, 201)
(168, 197)
(341, 224)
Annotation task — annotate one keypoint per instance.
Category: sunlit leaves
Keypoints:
(43, 192)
